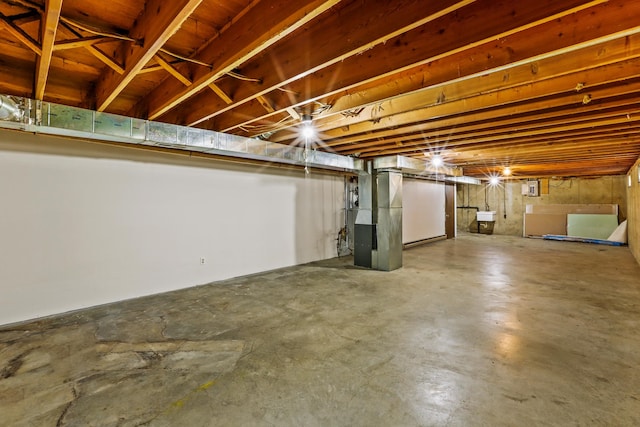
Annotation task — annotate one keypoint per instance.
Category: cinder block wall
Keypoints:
(509, 203)
(633, 201)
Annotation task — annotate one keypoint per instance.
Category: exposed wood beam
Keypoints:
(160, 20)
(359, 37)
(517, 138)
(520, 73)
(79, 42)
(568, 168)
(106, 59)
(261, 27)
(512, 137)
(173, 71)
(539, 149)
(25, 18)
(293, 113)
(19, 33)
(97, 30)
(154, 68)
(587, 27)
(606, 96)
(526, 48)
(218, 91)
(48, 28)
(446, 137)
(491, 99)
(444, 36)
(266, 104)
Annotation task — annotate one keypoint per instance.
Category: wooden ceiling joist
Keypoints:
(20, 34)
(93, 50)
(173, 71)
(616, 51)
(585, 53)
(49, 28)
(598, 77)
(159, 22)
(419, 46)
(79, 42)
(548, 87)
(303, 59)
(261, 27)
(222, 94)
(443, 135)
(25, 18)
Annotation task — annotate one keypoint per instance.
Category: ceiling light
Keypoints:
(308, 131)
(436, 160)
(506, 171)
(494, 181)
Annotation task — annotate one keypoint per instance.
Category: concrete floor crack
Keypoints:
(63, 415)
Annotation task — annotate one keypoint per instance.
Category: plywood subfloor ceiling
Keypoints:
(546, 87)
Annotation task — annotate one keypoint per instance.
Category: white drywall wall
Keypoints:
(83, 224)
(423, 210)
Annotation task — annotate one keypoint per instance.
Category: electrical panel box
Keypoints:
(531, 189)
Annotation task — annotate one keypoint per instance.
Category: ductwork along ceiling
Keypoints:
(546, 87)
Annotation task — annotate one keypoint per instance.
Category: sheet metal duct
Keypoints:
(54, 119)
(378, 227)
(463, 180)
(9, 109)
(413, 165)
(389, 221)
(365, 239)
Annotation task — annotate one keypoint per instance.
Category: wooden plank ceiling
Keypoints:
(545, 87)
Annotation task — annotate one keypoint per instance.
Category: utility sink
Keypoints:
(486, 216)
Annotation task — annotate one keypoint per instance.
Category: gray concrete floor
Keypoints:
(481, 330)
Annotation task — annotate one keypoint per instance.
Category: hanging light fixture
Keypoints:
(308, 132)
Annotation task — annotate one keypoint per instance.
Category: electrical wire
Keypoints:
(184, 58)
(98, 32)
(323, 107)
(125, 38)
(241, 77)
(293, 92)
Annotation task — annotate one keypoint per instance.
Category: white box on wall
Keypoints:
(531, 189)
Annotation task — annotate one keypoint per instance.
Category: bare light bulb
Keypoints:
(308, 131)
(437, 160)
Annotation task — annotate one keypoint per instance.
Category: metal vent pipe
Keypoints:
(9, 109)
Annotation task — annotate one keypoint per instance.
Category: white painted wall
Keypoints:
(83, 224)
(423, 210)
